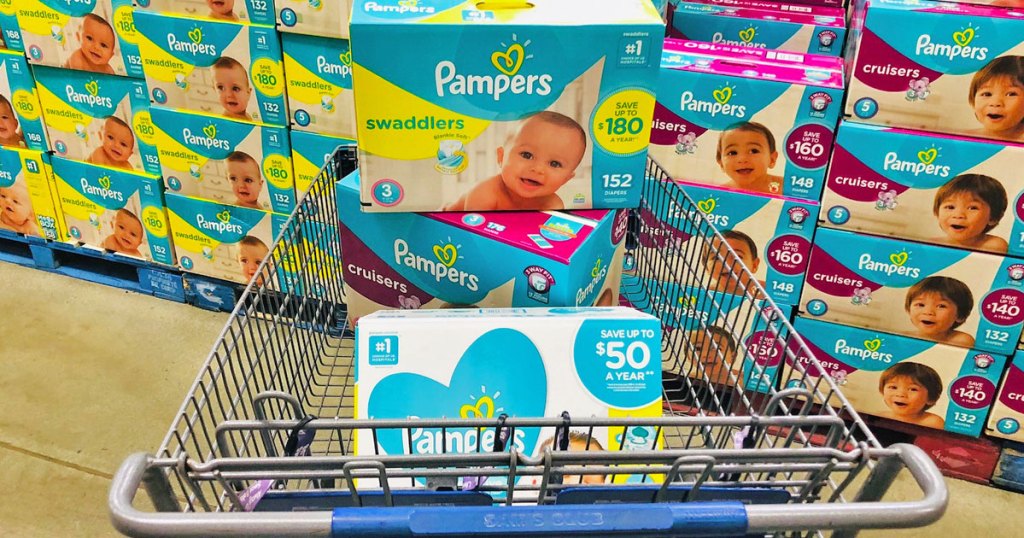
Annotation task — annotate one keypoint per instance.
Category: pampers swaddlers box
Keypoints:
(9, 28)
(953, 191)
(251, 11)
(538, 107)
(223, 68)
(310, 152)
(324, 18)
(899, 378)
(521, 362)
(91, 35)
(24, 126)
(444, 260)
(230, 162)
(319, 75)
(102, 119)
(28, 204)
(1008, 409)
(918, 63)
(725, 119)
(115, 210)
(958, 297)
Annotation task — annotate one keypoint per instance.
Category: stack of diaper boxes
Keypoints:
(918, 270)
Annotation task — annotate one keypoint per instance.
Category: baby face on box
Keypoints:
(225, 161)
(319, 74)
(222, 68)
(961, 71)
(945, 295)
(89, 35)
(950, 191)
(26, 198)
(251, 11)
(21, 122)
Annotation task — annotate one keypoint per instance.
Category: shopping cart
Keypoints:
(263, 443)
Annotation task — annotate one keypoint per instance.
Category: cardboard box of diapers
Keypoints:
(448, 260)
(28, 200)
(900, 378)
(21, 118)
(1008, 409)
(522, 362)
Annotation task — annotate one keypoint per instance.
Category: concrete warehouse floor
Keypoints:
(90, 374)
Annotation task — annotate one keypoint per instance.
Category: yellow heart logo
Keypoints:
(346, 57)
(964, 37)
(873, 345)
(510, 61)
(196, 35)
(408, 3)
(210, 131)
(484, 408)
(899, 259)
(747, 35)
(92, 87)
(722, 95)
(706, 206)
(224, 216)
(447, 254)
(105, 182)
(927, 157)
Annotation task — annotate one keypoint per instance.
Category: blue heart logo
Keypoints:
(501, 372)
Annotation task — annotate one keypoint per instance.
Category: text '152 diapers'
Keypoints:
(98, 36)
(250, 11)
(544, 105)
(27, 200)
(953, 296)
(1008, 409)
(21, 119)
(940, 67)
(431, 364)
(222, 68)
(99, 119)
(115, 210)
(898, 378)
(451, 260)
(319, 75)
(954, 191)
(726, 118)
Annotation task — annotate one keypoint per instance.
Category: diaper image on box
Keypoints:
(319, 75)
(323, 18)
(99, 119)
(899, 378)
(513, 113)
(221, 241)
(21, 122)
(722, 119)
(27, 202)
(114, 210)
(10, 32)
(817, 30)
(251, 11)
(953, 191)
(310, 152)
(952, 296)
(98, 36)
(447, 260)
(225, 161)
(590, 362)
(1008, 409)
(939, 67)
(223, 68)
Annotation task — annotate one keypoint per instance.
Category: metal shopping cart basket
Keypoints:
(263, 443)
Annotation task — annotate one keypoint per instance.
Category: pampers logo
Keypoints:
(342, 69)
(403, 6)
(925, 164)
(91, 97)
(222, 224)
(720, 104)
(746, 39)
(597, 275)
(869, 351)
(442, 269)
(103, 190)
(208, 141)
(194, 45)
(508, 60)
(895, 266)
(960, 48)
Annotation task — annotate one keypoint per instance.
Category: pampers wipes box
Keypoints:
(28, 200)
(940, 67)
(900, 378)
(252, 11)
(446, 260)
(1008, 409)
(310, 152)
(958, 297)
(21, 121)
(479, 364)
(90, 35)
(319, 75)
(224, 68)
(100, 119)
(544, 105)
(954, 191)
(723, 118)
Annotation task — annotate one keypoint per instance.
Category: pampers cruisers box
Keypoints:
(541, 105)
(724, 119)
(28, 201)
(899, 378)
(480, 363)
(100, 119)
(958, 297)
(22, 126)
(953, 191)
(448, 260)
(1008, 409)
(310, 152)
(939, 67)
(223, 68)
(251, 11)
(230, 162)
(115, 210)
(319, 76)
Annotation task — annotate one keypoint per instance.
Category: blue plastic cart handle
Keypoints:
(677, 519)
